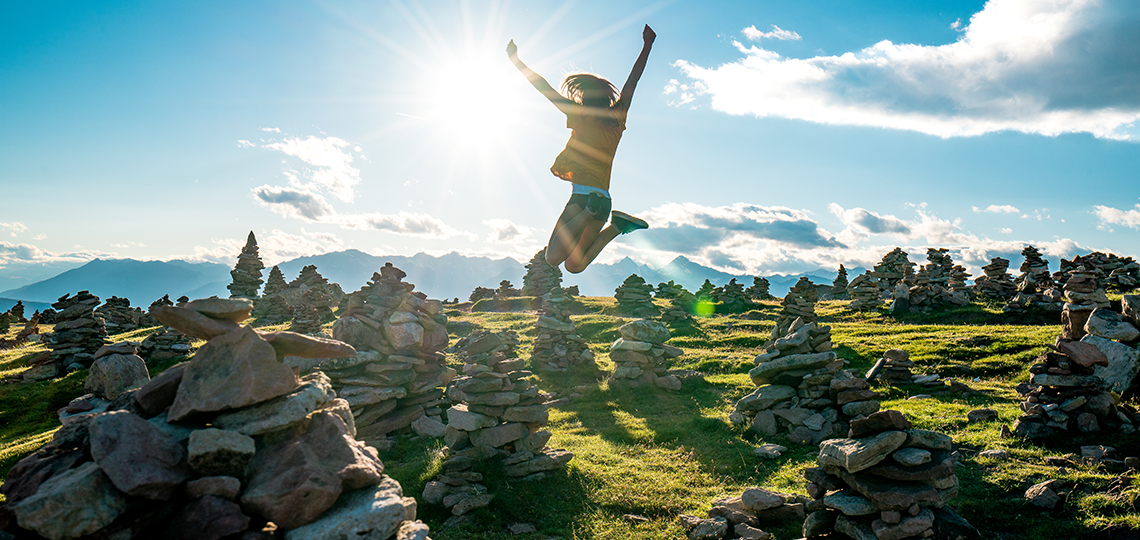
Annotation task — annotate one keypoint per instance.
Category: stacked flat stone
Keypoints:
(932, 282)
(894, 367)
(498, 413)
(1070, 389)
(558, 345)
(78, 333)
(306, 318)
(396, 376)
(506, 290)
(864, 293)
(893, 269)
(1035, 276)
(996, 283)
(669, 290)
(1081, 288)
(676, 312)
(808, 396)
(273, 307)
(743, 516)
(218, 446)
(247, 271)
(164, 344)
(17, 312)
(1110, 269)
(731, 297)
(313, 289)
(798, 304)
(119, 316)
(957, 283)
(839, 285)
(541, 277)
(759, 289)
(635, 297)
(640, 355)
(886, 481)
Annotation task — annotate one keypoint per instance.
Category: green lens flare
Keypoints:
(704, 308)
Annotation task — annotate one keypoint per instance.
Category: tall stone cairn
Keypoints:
(1081, 288)
(932, 282)
(839, 286)
(251, 445)
(995, 283)
(396, 375)
(541, 277)
(498, 413)
(276, 281)
(894, 268)
(1034, 285)
(313, 289)
(306, 318)
(273, 307)
(759, 289)
(17, 312)
(78, 334)
(864, 293)
(119, 316)
(799, 303)
(506, 290)
(732, 297)
(668, 290)
(641, 356)
(1123, 273)
(558, 345)
(247, 272)
(886, 480)
(635, 297)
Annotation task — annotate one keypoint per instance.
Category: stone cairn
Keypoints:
(558, 345)
(893, 269)
(759, 289)
(807, 394)
(731, 297)
(743, 515)
(635, 297)
(306, 316)
(506, 290)
(680, 303)
(640, 355)
(229, 444)
(273, 308)
(1035, 285)
(932, 282)
(311, 288)
(839, 286)
(396, 376)
(995, 283)
(894, 367)
(17, 312)
(119, 316)
(541, 277)
(864, 293)
(885, 481)
(77, 336)
(164, 343)
(799, 303)
(30, 332)
(498, 412)
(247, 272)
(1081, 288)
(1109, 269)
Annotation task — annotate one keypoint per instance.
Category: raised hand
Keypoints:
(513, 50)
(648, 35)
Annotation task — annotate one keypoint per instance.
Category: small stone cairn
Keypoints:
(894, 367)
(1122, 273)
(229, 444)
(311, 288)
(635, 297)
(77, 336)
(799, 303)
(558, 345)
(640, 355)
(731, 297)
(273, 308)
(864, 293)
(306, 316)
(396, 375)
(893, 269)
(932, 282)
(498, 413)
(247, 271)
(119, 316)
(506, 290)
(17, 312)
(743, 515)
(541, 277)
(1035, 285)
(680, 302)
(839, 286)
(759, 289)
(1082, 288)
(164, 343)
(995, 283)
(886, 481)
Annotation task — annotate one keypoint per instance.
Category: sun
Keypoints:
(474, 99)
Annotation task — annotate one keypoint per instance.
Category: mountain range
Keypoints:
(445, 277)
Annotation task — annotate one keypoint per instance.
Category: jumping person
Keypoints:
(595, 112)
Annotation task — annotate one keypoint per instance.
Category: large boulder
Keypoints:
(71, 504)
(114, 374)
(1123, 363)
(645, 330)
(138, 457)
(372, 512)
(231, 371)
(1109, 324)
(192, 323)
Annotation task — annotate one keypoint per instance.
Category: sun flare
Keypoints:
(475, 98)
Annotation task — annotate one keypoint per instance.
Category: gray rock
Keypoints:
(769, 451)
(857, 408)
(855, 455)
(928, 440)
(208, 518)
(226, 487)
(759, 499)
(819, 522)
(850, 504)
(645, 330)
(459, 417)
(855, 530)
(372, 513)
(220, 452)
(281, 412)
(1109, 324)
(534, 442)
(114, 374)
(765, 397)
(763, 372)
(908, 527)
(547, 461)
(71, 504)
(498, 436)
(427, 426)
(1000, 455)
(1123, 363)
(1043, 495)
(911, 457)
(139, 458)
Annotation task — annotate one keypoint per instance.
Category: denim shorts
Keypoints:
(595, 203)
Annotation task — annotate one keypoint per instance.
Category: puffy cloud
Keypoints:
(506, 231)
(242, 143)
(297, 203)
(272, 130)
(11, 254)
(275, 247)
(1113, 216)
(15, 227)
(996, 209)
(702, 226)
(1045, 67)
(332, 165)
(777, 33)
(407, 223)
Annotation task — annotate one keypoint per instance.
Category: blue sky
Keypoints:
(764, 136)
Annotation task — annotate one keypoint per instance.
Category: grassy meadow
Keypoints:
(658, 454)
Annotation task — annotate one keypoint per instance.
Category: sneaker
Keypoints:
(626, 223)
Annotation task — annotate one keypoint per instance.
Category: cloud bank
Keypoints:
(1113, 216)
(1036, 66)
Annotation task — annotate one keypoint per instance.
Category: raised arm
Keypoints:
(539, 83)
(647, 37)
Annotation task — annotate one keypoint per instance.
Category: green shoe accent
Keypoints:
(626, 223)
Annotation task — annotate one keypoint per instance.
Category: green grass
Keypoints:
(659, 454)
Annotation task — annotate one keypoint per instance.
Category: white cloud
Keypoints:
(16, 227)
(996, 209)
(777, 33)
(274, 248)
(506, 231)
(1044, 67)
(332, 165)
(26, 253)
(1006, 230)
(39, 237)
(272, 130)
(1113, 216)
(242, 143)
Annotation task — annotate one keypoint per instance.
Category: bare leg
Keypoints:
(567, 232)
(594, 238)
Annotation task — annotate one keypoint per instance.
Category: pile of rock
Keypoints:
(669, 290)
(996, 283)
(798, 304)
(1035, 276)
(894, 367)
(676, 311)
(1070, 388)
(932, 283)
(119, 316)
(30, 332)
(731, 297)
(635, 297)
(743, 515)
(1081, 288)
(541, 277)
(759, 289)
(506, 290)
(1122, 273)
(807, 395)
(396, 375)
(864, 293)
(498, 412)
(895, 268)
(839, 285)
(247, 271)
(280, 454)
(306, 316)
(164, 344)
(558, 345)
(16, 312)
(886, 481)
(77, 336)
(313, 289)
(640, 355)
(273, 307)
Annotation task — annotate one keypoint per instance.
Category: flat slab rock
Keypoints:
(69, 505)
(373, 512)
(764, 371)
(1123, 363)
(854, 455)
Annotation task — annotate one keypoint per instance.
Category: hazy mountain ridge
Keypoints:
(141, 281)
